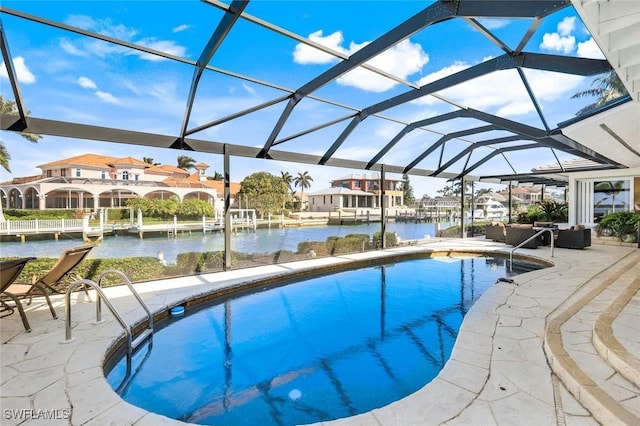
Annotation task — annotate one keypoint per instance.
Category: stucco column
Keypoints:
(42, 202)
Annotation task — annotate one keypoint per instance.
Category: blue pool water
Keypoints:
(319, 349)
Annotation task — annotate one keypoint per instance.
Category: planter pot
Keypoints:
(628, 238)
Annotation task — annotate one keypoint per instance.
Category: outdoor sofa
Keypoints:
(577, 237)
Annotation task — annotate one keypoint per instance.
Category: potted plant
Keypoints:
(623, 225)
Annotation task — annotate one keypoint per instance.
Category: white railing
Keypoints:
(41, 225)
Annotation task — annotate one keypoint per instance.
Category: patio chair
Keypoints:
(9, 272)
(54, 280)
(517, 234)
(495, 232)
(577, 238)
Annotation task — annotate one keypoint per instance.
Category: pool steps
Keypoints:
(596, 361)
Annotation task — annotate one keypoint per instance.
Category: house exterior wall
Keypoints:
(324, 202)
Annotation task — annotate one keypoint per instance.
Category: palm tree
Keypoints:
(9, 107)
(606, 88)
(303, 180)
(287, 178)
(612, 189)
(149, 160)
(484, 191)
(185, 162)
(217, 176)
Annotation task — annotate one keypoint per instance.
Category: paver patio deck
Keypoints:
(500, 371)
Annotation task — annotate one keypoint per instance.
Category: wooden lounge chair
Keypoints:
(9, 272)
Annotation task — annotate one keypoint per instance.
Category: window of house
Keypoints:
(611, 196)
(63, 172)
(331, 199)
(103, 175)
(357, 184)
(78, 173)
(49, 173)
(136, 177)
(125, 175)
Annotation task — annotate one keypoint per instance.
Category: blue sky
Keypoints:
(67, 77)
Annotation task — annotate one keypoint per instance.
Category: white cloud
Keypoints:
(567, 26)
(555, 42)
(402, 60)
(250, 90)
(102, 26)
(562, 40)
(503, 91)
(589, 49)
(493, 23)
(444, 72)
(103, 49)
(23, 73)
(86, 83)
(107, 97)
(166, 46)
(68, 47)
(180, 28)
(304, 54)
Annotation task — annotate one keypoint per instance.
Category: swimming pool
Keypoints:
(315, 350)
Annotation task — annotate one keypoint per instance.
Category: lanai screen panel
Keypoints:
(306, 83)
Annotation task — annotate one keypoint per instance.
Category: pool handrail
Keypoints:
(133, 291)
(101, 295)
(534, 236)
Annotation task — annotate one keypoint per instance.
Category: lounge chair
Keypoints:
(9, 272)
(54, 280)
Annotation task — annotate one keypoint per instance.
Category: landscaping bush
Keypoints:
(624, 225)
(454, 231)
(352, 243)
(135, 268)
(392, 239)
(331, 244)
(187, 263)
(18, 214)
(284, 256)
(545, 211)
(319, 247)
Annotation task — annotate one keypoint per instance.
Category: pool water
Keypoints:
(315, 350)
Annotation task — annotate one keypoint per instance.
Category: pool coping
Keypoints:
(69, 376)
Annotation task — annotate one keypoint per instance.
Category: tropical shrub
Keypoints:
(135, 268)
(620, 223)
(392, 239)
(349, 244)
(19, 214)
(554, 211)
(545, 211)
(318, 247)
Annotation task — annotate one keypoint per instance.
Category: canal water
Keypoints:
(258, 241)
